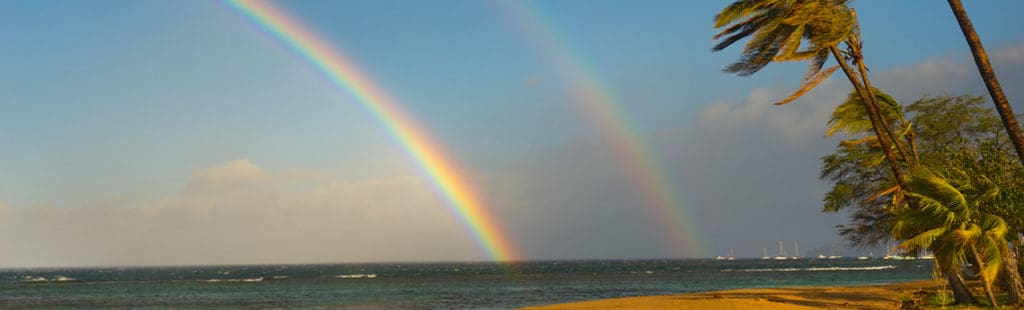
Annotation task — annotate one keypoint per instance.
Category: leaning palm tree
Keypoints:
(947, 222)
(989, 76)
(851, 118)
(798, 30)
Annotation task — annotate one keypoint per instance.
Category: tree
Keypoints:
(989, 76)
(778, 28)
(858, 169)
(947, 221)
(961, 132)
(950, 133)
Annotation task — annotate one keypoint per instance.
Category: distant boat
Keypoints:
(862, 257)
(782, 253)
(724, 258)
(888, 252)
(822, 256)
(832, 254)
(766, 257)
(796, 250)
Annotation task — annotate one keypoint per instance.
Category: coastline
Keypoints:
(884, 296)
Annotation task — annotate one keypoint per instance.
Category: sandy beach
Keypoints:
(890, 296)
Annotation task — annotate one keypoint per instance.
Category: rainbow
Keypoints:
(598, 104)
(343, 73)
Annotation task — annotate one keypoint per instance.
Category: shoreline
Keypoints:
(882, 296)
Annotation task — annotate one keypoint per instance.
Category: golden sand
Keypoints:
(889, 296)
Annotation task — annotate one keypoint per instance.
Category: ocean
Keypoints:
(425, 285)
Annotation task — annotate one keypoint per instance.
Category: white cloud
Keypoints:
(241, 170)
(237, 212)
(795, 123)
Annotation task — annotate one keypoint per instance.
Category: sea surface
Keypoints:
(425, 285)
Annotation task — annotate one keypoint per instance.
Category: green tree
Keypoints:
(947, 221)
(961, 132)
(953, 133)
(778, 28)
(858, 169)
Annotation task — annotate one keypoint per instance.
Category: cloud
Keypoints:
(237, 171)
(237, 212)
(746, 163)
(746, 169)
(956, 74)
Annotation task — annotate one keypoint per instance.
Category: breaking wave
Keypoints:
(31, 279)
(260, 279)
(812, 269)
(355, 276)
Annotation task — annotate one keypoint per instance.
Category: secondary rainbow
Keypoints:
(421, 147)
(593, 99)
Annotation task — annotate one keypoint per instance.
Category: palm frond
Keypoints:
(883, 192)
(809, 84)
(923, 240)
(937, 193)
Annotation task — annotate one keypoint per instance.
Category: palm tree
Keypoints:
(989, 76)
(778, 28)
(851, 117)
(947, 222)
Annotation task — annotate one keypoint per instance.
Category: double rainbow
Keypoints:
(594, 100)
(424, 150)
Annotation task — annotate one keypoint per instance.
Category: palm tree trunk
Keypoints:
(989, 76)
(961, 294)
(984, 278)
(873, 115)
(881, 116)
(1011, 277)
(1019, 247)
(857, 51)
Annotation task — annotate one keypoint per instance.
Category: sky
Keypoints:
(174, 133)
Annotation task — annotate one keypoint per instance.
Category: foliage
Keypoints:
(949, 133)
(947, 222)
(858, 170)
(778, 29)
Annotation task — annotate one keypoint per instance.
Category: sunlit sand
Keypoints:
(890, 296)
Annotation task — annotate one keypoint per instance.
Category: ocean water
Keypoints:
(425, 285)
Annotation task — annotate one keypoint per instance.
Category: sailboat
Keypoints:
(766, 257)
(782, 253)
(796, 250)
(833, 255)
(730, 257)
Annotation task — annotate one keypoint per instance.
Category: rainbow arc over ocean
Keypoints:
(658, 192)
(428, 154)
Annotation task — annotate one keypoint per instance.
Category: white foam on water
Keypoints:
(811, 269)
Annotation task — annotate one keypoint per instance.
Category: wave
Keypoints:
(885, 267)
(260, 279)
(355, 276)
(31, 279)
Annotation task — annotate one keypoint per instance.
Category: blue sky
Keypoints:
(117, 105)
